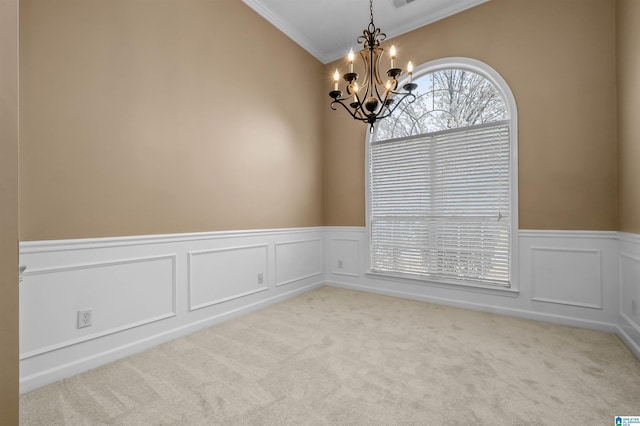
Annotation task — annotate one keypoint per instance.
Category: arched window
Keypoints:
(442, 179)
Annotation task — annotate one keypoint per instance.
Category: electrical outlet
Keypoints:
(84, 318)
(634, 306)
(339, 264)
(260, 278)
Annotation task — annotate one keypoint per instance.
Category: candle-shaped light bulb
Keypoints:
(355, 92)
(410, 71)
(392, 53)
(336, 79)
(351, 57)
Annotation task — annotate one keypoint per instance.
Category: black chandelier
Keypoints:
(374, 99)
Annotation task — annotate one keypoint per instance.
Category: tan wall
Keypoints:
(628, 27)
(149, 117)
(9, 212)
(559, 59)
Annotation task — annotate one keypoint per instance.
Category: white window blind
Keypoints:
(439, 205)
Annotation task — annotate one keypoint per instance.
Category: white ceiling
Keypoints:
(329, 28)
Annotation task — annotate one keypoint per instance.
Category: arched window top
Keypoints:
(452, 93)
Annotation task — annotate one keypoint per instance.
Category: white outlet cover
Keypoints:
(85, 318)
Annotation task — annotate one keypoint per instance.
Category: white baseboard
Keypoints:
(630, 334)
(518, 313)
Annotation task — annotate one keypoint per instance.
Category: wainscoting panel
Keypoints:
(567, 276)
(298, 260)
(629, 264)
(344, 257)
(141, 290)
(149, 289)
(216, 276)
(630, 286)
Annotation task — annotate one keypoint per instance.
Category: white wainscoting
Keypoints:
(629, 264)
(565, 277)
(346, 257)
(147, 290)
(123, 285)
(216, 276)
(150, 289)
(556, 273)
(298, 260)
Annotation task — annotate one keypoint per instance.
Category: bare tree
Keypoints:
(446, 99)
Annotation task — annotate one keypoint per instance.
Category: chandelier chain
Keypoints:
(371, 10)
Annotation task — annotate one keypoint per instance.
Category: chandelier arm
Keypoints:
(357, 112)
(387, 101)
(340, 102)
(391, 108)
(397, 104)
(382, 98)
(392, 90)
(362, 101)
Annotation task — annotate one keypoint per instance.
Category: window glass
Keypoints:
(446, 99)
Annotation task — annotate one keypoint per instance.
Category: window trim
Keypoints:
(496, 79)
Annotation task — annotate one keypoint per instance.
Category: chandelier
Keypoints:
(372, 99)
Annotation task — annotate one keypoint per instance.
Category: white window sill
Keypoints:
(456, 285)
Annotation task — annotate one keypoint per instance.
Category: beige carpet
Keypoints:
(339, 357)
